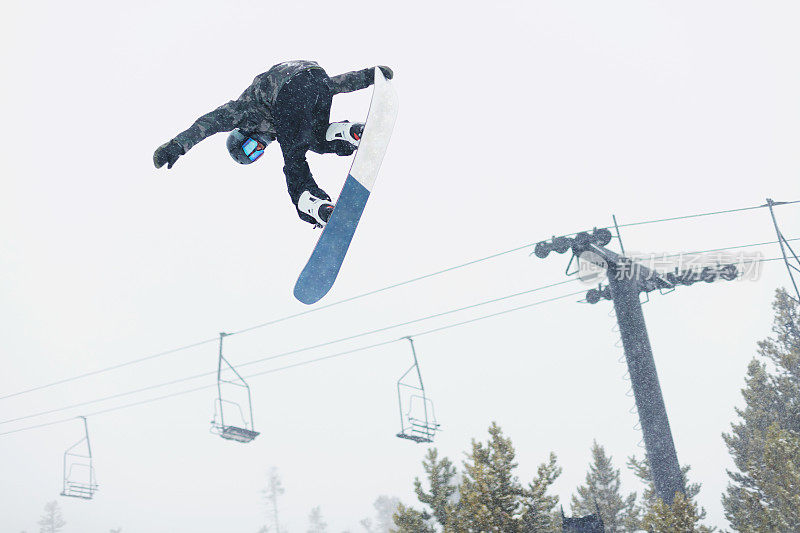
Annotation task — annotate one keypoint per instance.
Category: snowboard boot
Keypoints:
(317, 208)
(345, 131)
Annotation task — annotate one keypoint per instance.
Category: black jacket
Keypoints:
(252, 111)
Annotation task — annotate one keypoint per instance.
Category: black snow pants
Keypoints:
(301, 116)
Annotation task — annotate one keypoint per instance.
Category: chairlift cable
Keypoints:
(300, 363)
(291, 352)
(363, 295)
(315, 360)
(415, 335)
(751, 245)
(696, 215)
(108, 369)
(300, 350)
(258, 326)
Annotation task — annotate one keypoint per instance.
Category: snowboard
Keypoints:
(326, 260)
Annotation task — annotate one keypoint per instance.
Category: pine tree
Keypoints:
(775, 504)
(682, 516)
(489, 496)
(385, 507)
(768, 429)
(779, 479)
(656, 513)
(315, 522)
(539, 514)
(409, 520)
(51, 521)
(273, 490)
(441, 474)
(602, 490)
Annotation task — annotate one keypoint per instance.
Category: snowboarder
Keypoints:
(291, 102)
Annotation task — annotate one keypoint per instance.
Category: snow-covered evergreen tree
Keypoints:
(440, 474)
(656, 513)
(602, 489)
(763, 491)
(272, 492)
(316, 524)
(539, 506)
(682, 516)
(385, 507)
(409, 520)
(489, 496)
(51, 521)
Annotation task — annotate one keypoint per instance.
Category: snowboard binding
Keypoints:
(317, 208)
(345, 131)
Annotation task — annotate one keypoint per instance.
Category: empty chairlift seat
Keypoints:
(79, 480)
(244, 431)
(417, 417)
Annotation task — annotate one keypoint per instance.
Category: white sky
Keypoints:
(518, 120)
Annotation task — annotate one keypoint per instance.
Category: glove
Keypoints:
(386, 71)
(167, 154)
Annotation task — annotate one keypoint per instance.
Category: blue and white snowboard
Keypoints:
(323, 266)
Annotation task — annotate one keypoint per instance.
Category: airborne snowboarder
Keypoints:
(291, 102)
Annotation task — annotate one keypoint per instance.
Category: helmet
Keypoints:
(247, 147)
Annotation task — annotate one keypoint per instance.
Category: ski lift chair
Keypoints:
(244, 432)
(77, 485)
(416, 428)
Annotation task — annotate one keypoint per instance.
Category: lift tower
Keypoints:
(626, 279)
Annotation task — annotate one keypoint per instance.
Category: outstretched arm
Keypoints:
(358, 79)
(224, 118)
(299, 178)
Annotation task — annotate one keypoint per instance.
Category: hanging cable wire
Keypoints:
(107, 369)
(696, 215)
(298, 364)
(357, 297)
(376, 291)
(301, 363)
(729, 248)
(292, 352)
(262, 325)
(684, 217)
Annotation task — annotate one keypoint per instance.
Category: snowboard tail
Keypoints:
(320, 272)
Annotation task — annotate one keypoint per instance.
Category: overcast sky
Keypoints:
(518, 121)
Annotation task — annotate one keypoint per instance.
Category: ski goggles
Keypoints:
(253, 149)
